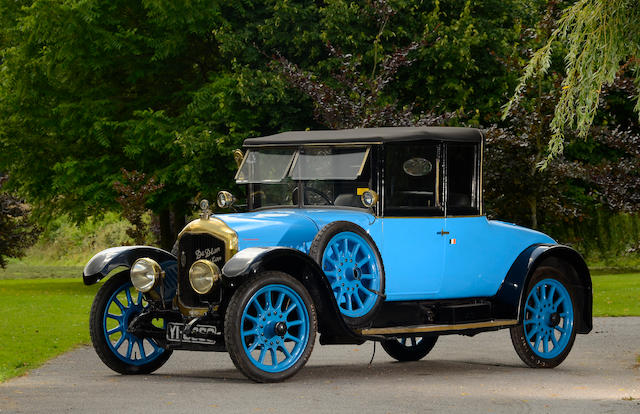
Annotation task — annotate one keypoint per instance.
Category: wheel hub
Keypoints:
(554, 319)
(280, 329)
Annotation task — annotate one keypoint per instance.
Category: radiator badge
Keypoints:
(212, 254)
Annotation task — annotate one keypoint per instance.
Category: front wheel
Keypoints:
(547, 331)
(114, 307)
(412, 348)
(270, 327)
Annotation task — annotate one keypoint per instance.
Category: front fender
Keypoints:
(509, 299)
(253, 260)
(104, 262)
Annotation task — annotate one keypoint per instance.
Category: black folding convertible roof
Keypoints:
(368, 136)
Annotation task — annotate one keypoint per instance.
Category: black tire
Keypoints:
(317, 251)
(543, 319)
(270, 331)
(406, 349)
(105, 347)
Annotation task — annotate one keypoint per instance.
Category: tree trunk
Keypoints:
(166, 235)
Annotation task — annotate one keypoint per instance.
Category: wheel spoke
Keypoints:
(534, 296)
(363, 261)
(116, 317)
(253, 346)
(552, 291)
(553, 339)
(268, 304)
(120, 341)
(545, 344)
(141, 348)
(129, 300)
(531, 333)
(530, 309)
(129, 348)
(117, 302)
(349, 303)
(253, 332)
(294, 323)
(114, 330)
(292, 338)
(358, 300)
(285, 351)
(263, 353)
(274, 357)
(538, 339)
(258, 306)
(366, 276)
(279, 301)
(355, 251)
(291, 307)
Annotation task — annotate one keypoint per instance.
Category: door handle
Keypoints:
(442, 232)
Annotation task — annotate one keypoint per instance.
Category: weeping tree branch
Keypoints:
(602, 38)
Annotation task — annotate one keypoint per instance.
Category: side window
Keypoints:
(462, 179)
(412, 179)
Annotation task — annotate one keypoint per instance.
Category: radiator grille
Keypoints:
(194, 247)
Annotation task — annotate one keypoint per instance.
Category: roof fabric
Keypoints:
(369, 135)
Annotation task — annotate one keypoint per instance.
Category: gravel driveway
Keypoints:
(480, 374)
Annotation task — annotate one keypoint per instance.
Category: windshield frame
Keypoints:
(370, 162)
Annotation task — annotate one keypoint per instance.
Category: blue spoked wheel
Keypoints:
(270, 327)
(353, 267)
(113, 309)
(409, 348)
(546, 333)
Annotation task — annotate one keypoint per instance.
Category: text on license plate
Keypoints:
(200, 334)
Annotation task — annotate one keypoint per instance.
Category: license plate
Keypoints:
(200, 334)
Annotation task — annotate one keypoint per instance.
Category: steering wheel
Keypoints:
(294, 195)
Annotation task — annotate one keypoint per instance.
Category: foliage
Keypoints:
(133, 195)
(17, 232)
(601, 39)
(48, 315)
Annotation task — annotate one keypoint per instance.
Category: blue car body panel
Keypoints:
(421, 261)
(292, 227)
(413, 257)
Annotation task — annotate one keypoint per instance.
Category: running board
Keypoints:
(438, 328)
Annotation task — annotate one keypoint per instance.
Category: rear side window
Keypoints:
(412, 179)
(462, 184)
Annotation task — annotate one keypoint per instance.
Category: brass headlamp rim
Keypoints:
(214, 270)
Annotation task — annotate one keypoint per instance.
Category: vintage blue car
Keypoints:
(362, 234)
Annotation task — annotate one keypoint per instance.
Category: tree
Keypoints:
(17, 232)
(602, 38)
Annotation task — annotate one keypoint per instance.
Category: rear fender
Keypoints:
(508, 302)
(104, 262)
(299, 265)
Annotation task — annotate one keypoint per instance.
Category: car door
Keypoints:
(471, 267)
(413, 222)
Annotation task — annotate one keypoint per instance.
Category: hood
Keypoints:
(293, 227)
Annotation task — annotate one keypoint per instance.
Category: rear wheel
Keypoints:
(270, 327)
(413, 348)
(113, 309)
(547, 331)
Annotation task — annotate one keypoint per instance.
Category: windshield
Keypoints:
(268, 165)
(326, 176)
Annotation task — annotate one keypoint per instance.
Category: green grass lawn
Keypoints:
(42, 318)
(39, 319)
(22, 270)
(616, 294)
